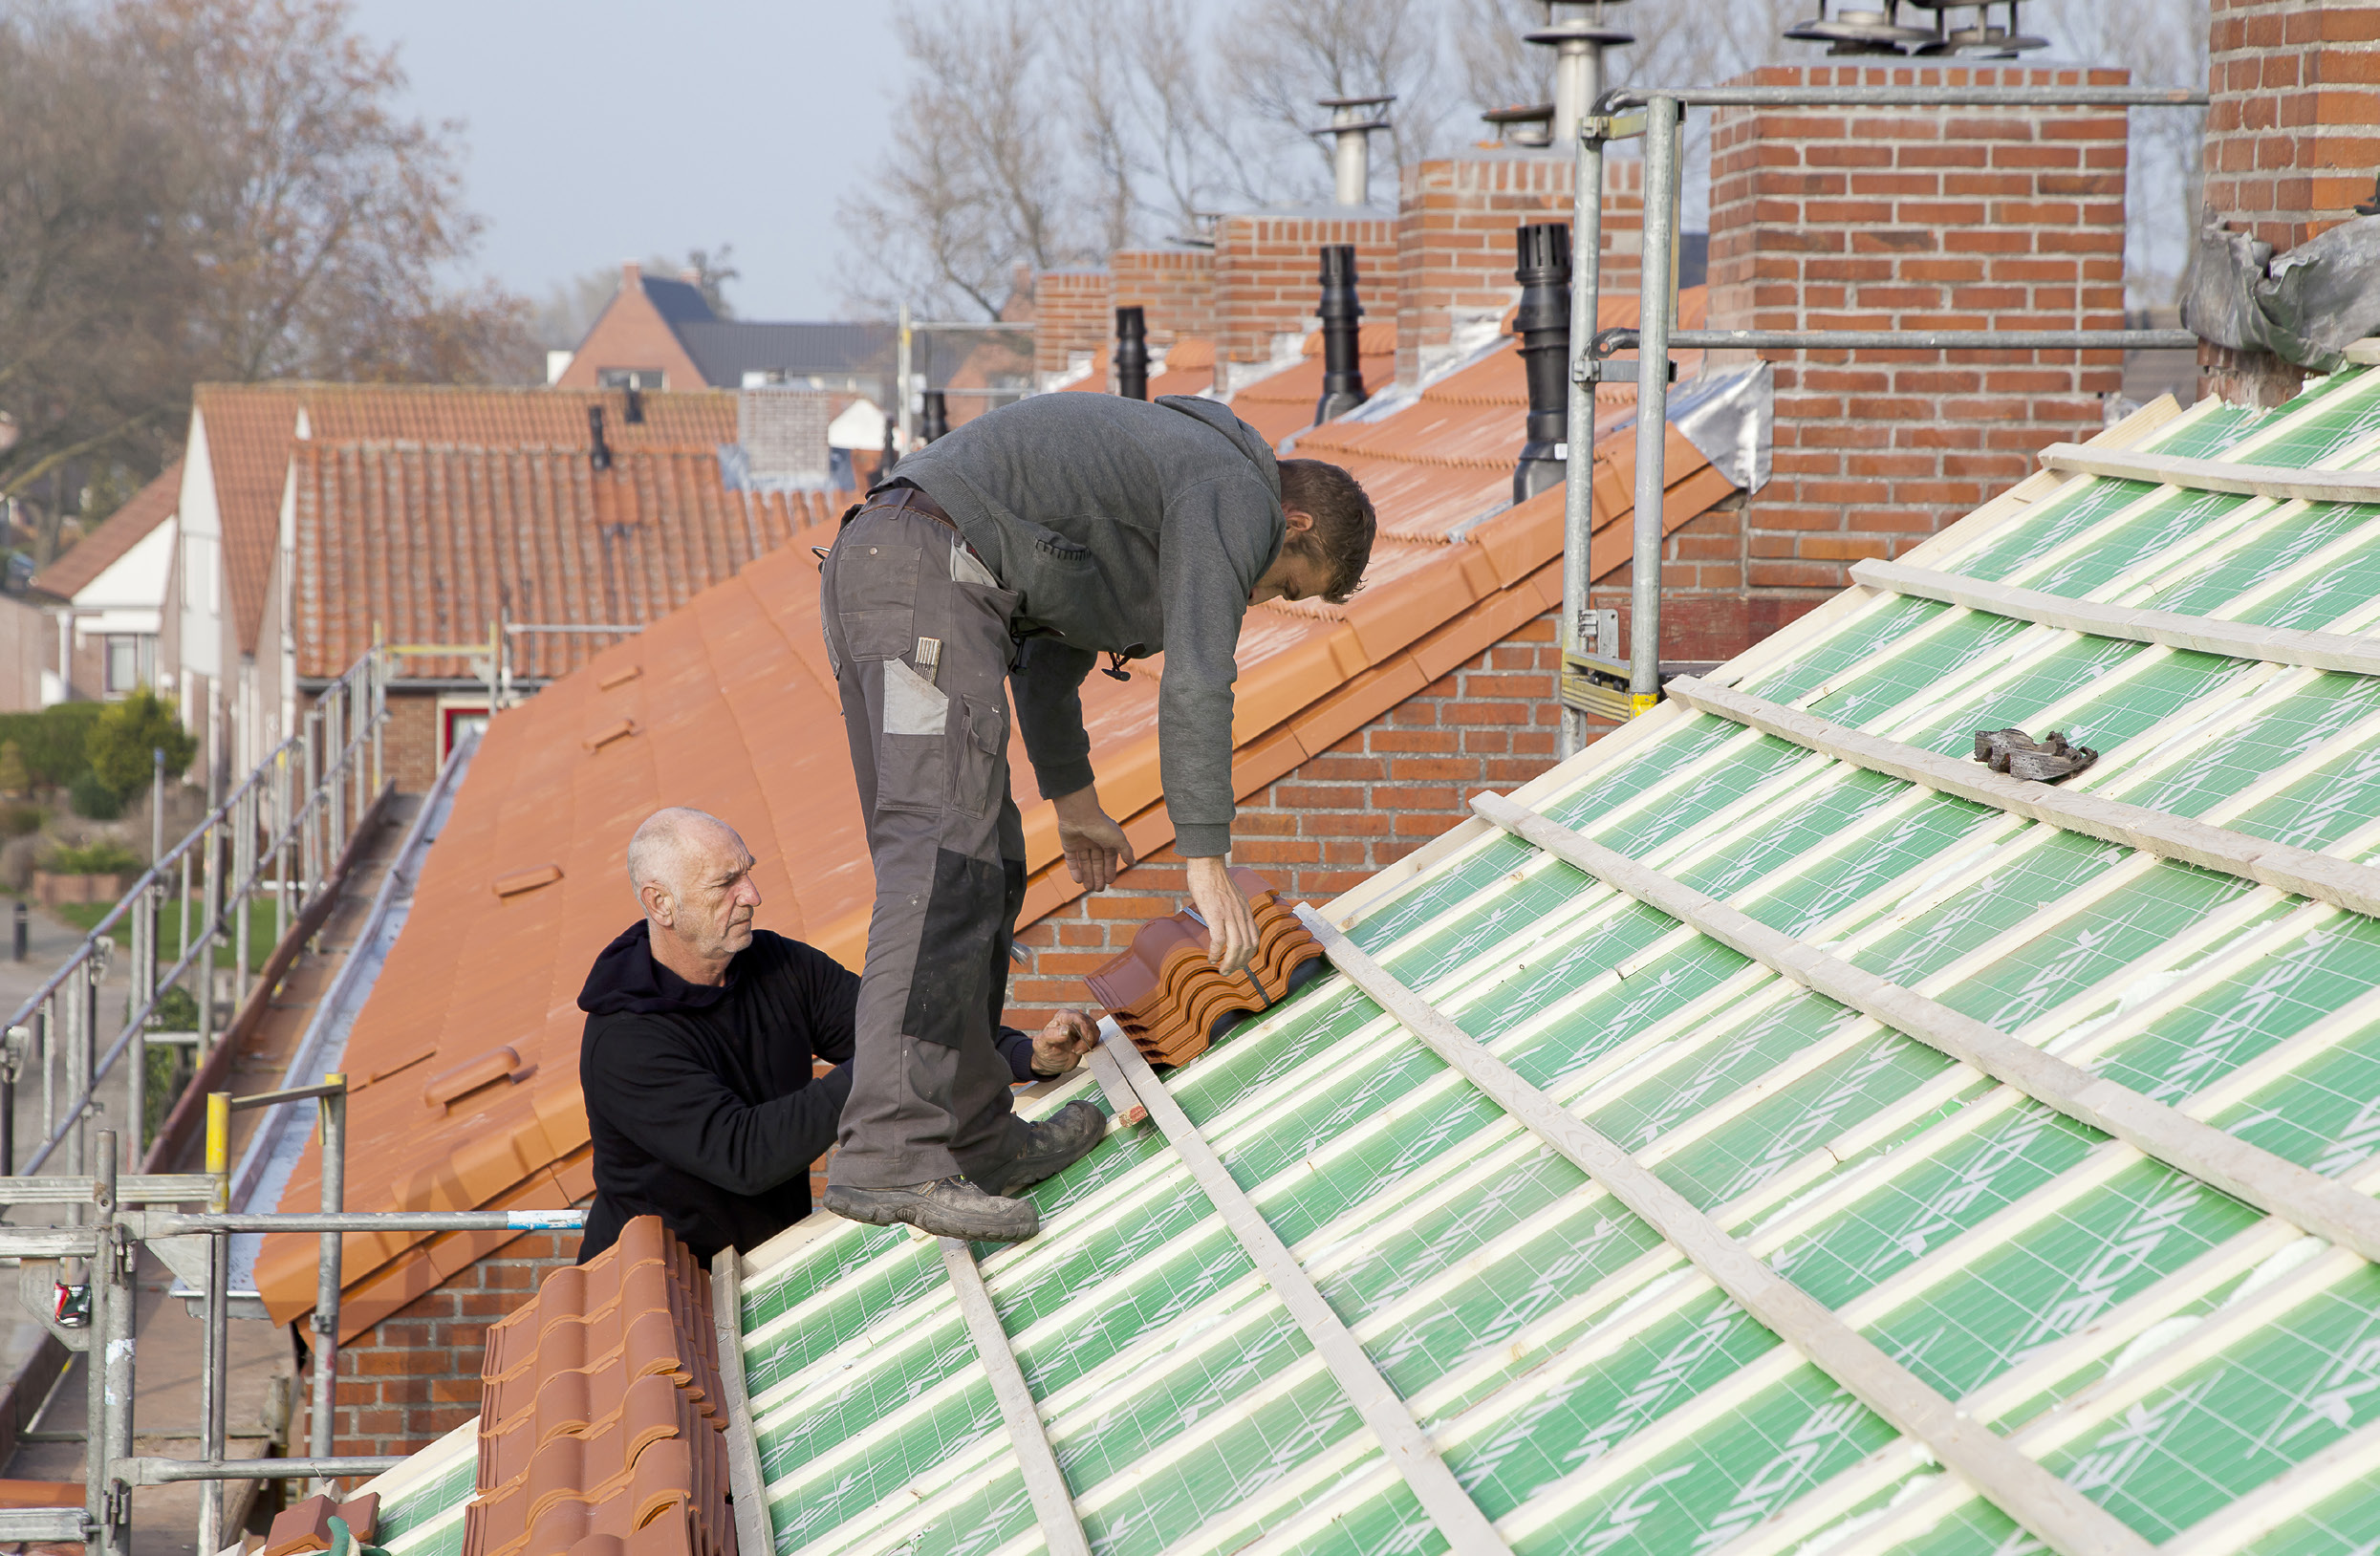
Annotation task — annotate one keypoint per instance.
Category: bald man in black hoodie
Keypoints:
(697, 1062)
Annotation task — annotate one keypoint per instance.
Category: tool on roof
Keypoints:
(2020, 755)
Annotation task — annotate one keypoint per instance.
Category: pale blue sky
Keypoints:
(600, 130)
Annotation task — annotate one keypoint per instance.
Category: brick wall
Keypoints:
(415, 1375)
(1455, 222)
(1268, 273)
(1175, 285)
(2292, 142)
(1889, 219)
(1073, 312)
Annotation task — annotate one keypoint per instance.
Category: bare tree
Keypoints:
(2162, 43)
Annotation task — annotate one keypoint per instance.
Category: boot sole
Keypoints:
(879, 1214)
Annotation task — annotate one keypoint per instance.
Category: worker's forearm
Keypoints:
(1049, 716)
(776, 1141)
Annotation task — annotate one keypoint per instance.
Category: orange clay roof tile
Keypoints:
(430, 542)
(306, 1525)
(251, 430)
(1167, 996)
(738, 715)
(118, 532)
(600, 1410)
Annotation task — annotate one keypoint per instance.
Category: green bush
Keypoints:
(105, 857)
(15, 778)
(51, 741)
(21, 820)
(92, 798)
(123, 740)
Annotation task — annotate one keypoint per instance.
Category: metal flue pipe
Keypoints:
(1342, 362)
(1353, 119)
(1544, 325)
(934, 423)
(1132, 352)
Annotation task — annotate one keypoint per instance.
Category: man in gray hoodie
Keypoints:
(1019, 549)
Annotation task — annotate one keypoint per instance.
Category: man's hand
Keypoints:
(1060, 1046)
(1096, 851)
(1230, 923)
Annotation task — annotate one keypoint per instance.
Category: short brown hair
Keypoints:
(1344, 522)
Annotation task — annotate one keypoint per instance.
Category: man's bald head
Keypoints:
(693, 878)
(657, 854)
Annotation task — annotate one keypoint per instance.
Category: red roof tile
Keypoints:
(121, 531)
(430, 541)
(1283, 404)
(601, 1412)
(729, 705)
(249, 429)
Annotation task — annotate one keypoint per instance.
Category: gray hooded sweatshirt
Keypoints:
(1125, 528)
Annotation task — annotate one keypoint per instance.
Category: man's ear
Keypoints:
(1300, 522)
(659, 905)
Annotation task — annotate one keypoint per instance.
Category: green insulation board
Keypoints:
(2168, 1351)
(423, 1500)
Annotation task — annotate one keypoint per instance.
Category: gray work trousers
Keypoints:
(930, 1093)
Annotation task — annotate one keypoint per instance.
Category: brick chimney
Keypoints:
(2292, 143)
(1265, 267)
(1455, 223)
(1174, 287)
(1965, 218)
(1072, 318)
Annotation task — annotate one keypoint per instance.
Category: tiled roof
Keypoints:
(680, 303)
(727, 704)
(1166, 995)
(728, 349)
(602, 1415)
(1284, 403)
(118, 532)
(1189, 369)
(250, 430)
(1774, 1133)
(429, 541)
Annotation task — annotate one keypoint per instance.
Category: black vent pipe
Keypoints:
(888, 458)
(599, 452)
(1342, 367)
(935, 421)
(1132, 352)
(1544, 325)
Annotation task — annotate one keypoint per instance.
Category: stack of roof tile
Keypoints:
(1167, 996)
(306, 1527)
(602, 1419)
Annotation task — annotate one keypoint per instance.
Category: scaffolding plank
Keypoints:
(2306, 1199)
(2205, 635)
(743, 1477)
(2060, 1516)
(1467, 1530)
(2280, 482)
(1053, 1504)
(2321, 876)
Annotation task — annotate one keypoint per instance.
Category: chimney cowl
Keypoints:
(1132, 352)
(934, 421)
(1543, 323)
(1577, 35)
(1342, 361)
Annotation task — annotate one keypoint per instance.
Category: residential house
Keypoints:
(317, 519)
(662, 333)
(107, 601)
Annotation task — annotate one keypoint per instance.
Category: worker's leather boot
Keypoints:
(946, 1207)
(1051, 1147)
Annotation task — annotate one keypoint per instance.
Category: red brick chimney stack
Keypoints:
(2292, 143)
(1866, 219)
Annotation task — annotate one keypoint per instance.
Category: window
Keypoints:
(127, 659)
(628, 377)
(457, 721)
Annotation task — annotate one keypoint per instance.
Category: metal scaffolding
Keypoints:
(1658, 114)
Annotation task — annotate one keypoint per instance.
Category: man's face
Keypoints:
(716, 897)
(1295, 573)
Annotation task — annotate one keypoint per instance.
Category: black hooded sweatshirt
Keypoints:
(701, 1101)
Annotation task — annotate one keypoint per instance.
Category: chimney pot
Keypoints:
(1577, 36)
(1544, 325)
(1342, 365)
(1132, 352)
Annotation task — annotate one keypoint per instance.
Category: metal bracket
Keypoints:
(1622, 127)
